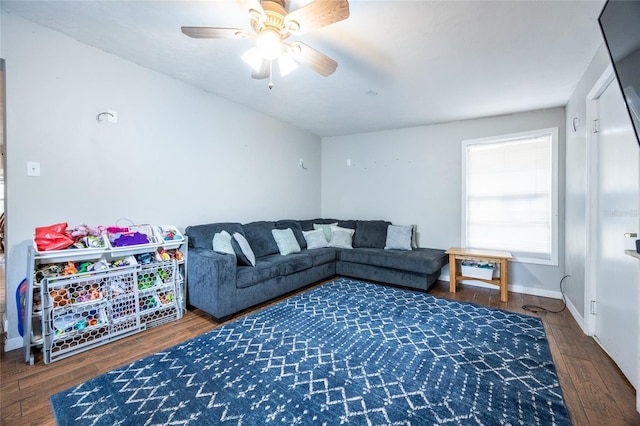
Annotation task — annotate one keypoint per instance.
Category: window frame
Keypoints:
(511, 137)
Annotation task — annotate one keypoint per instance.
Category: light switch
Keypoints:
(33, 168)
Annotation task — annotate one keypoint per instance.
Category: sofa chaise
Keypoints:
(223, 283)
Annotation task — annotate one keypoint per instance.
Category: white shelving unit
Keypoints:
(68, 314)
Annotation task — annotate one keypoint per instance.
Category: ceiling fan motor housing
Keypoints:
(274, 13)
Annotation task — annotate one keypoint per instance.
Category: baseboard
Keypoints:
(13, 344)
(552, 294)
(577, 316)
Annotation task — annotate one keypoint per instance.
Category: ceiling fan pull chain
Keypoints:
(270, 75)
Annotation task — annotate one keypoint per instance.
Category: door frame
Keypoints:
(607, 77)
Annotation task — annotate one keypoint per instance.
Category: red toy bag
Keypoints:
(53, 237)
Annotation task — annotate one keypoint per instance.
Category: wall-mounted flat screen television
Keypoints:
(620, 25)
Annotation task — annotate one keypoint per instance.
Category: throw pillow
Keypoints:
(340, 228)
(258, 234)
(315, 239)
(286, 241)
(295, 227)
(399, 237)
(243, 250)
(341, 238)
(414, 237)
(326, 228)
(371, 233)
(222, 243)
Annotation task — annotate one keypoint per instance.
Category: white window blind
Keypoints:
(510, 195)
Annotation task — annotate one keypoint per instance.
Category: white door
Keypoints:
(617, 275)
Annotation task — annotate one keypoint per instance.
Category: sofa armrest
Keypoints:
(212, 282)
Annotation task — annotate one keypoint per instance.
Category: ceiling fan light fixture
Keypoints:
(286, 64)
(253, 58)
(272, 24)
(293, 27)
(269, 44)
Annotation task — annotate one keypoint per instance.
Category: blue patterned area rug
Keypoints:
(347, 352)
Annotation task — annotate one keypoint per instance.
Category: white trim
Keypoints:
(554, 255)
(591, 201)
(516, 288)
(13, 344)
(534, 292)
(576, 315)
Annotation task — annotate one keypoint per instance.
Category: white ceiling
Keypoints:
(429, 61)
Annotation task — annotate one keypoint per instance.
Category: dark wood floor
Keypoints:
(595, 390)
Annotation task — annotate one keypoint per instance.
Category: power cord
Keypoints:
(536, 308)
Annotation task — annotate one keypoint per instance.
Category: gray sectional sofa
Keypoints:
(220, 286)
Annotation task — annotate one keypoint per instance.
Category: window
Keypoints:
(510, 196)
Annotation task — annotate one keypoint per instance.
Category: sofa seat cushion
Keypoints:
(420, 260)
(320, 256)
(291, 263)
(247, 276)
(201, 236)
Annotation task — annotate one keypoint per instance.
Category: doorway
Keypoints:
(3, 291)
(612, 277)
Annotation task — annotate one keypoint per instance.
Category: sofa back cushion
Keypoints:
(201, 236)
(351, 224)
(295, 226)
(307, 225)
(260, 238)
(371, 233)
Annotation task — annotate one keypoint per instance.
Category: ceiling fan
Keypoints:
(272, 25)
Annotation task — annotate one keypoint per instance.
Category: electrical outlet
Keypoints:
(33, 168)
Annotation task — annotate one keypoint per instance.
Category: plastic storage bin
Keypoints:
(485, 270)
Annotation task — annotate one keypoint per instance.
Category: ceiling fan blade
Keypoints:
(319, 62)
(211, 32)
(263, 72)
(317, 14)
(250, 5)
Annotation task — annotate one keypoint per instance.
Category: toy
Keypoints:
(166, 297)
(84, 267)
(119, 263)
(146, 280)
(83, 230)
(148, 302)
(48, 271)
(144, 258)
(69, 269)
(163, 254)
(100, 265)
(173, 254)
(164, 274)
(169, 233)
(60, 297)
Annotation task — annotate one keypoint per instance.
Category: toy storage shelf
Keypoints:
(68, 314)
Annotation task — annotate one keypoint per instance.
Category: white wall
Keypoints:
(178, 155)
(414, 175)
(576, 185)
